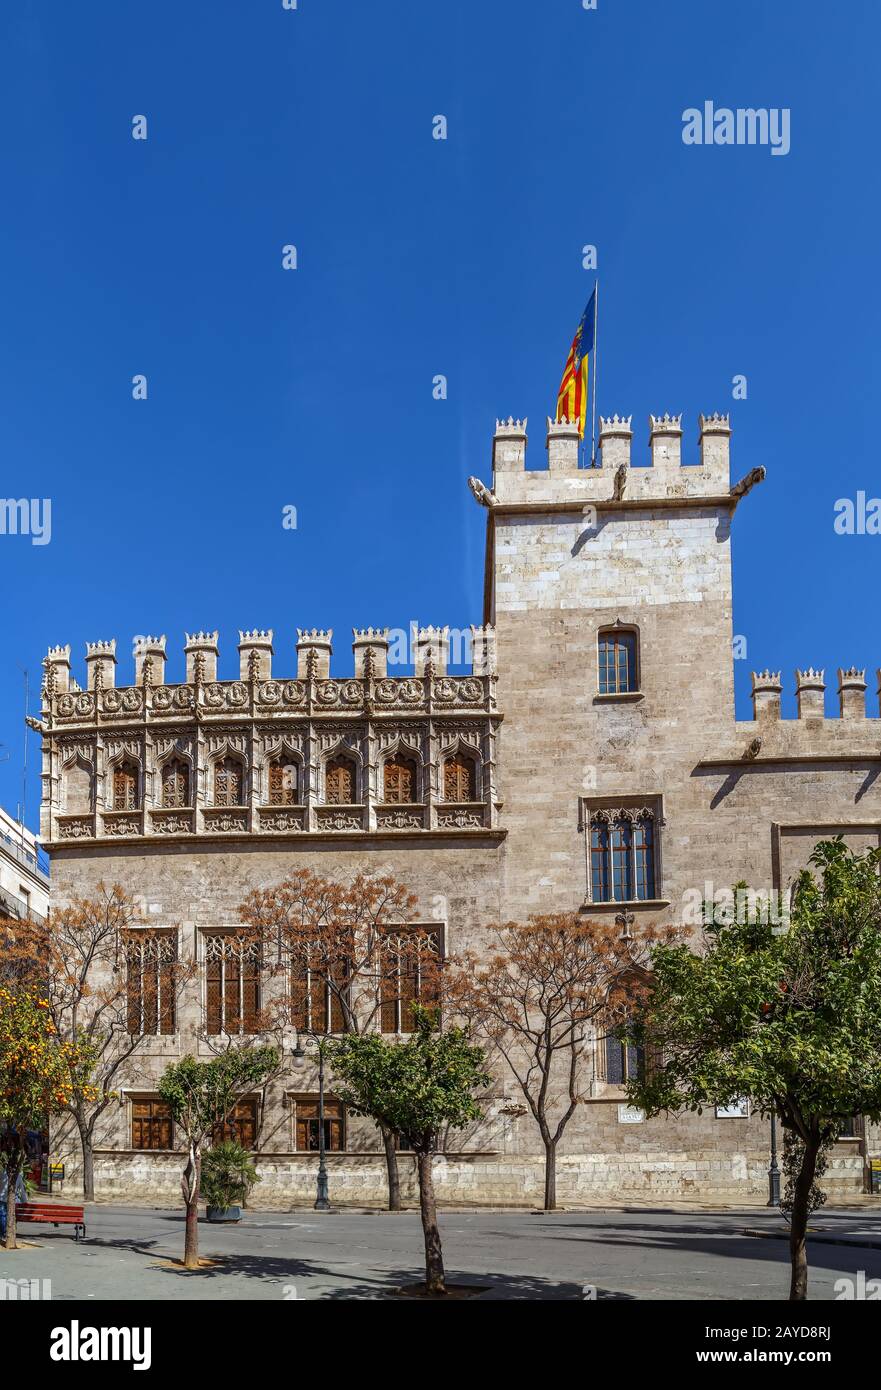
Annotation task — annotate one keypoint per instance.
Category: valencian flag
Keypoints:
(572, 395)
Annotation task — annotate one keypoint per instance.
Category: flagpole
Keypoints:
(596, 358)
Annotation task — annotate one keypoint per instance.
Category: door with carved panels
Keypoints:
(460, 778)
(399, 775)
(339, 781)
(229, 782)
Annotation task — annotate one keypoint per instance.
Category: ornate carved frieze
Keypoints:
(227, 819)
(75, 706)
(75, 827)
(282, 820)
(409, 691)
(225, 695)
(346, 693)
(129, 701)
(340, 817)
(164, 822)
(462, 817)
(121, 823)
(400, 817)
(463, 690)
(172, 699)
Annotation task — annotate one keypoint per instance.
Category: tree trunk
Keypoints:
(435, 1279)
(88, 1164)
(14, 1165)
(190, 1186)
(550, 1175)
(10, 1213)
(798, 1289)
(391, 1163)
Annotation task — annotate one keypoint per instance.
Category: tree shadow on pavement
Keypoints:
(310, 1279)
(729, 1243)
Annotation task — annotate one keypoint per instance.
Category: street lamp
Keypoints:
(299, 1053)
(773, 1169)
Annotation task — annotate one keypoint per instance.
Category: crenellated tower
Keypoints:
(610, 593)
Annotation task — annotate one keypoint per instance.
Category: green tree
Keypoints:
(790, 1018)
(201, 1096)
(36, 1077)
(416, 1088)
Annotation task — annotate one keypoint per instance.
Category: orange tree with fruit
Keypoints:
(38, 1075)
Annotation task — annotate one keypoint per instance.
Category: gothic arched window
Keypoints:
(229, 782)
(125, 786)
(339, 781)
(399, 779)
(460, 778)
(175, 783)
(622, 855)
(283, 780)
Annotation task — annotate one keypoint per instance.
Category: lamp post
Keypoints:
(765, 1018)
(322, 1202)
(773, 1169)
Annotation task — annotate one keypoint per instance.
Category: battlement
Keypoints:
(428, 649)
(617, 477)
(810, 691)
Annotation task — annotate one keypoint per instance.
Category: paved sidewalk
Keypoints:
(647, 1254)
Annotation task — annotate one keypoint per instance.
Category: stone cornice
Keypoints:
(577, 504)
(354, 838)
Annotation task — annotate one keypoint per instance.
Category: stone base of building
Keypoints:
(357, 1180)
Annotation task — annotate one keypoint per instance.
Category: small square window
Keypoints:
(152, 1126)
(307, 1122)
(618, 661)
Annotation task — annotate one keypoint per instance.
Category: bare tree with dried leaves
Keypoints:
(109, 981)
(353, 959)
(553, 985)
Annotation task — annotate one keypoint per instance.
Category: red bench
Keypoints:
(55, 1213)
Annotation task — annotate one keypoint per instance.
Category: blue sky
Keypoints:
(313, 388)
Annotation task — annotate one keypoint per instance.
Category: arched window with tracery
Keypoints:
(125, 786)
(229, 782)
(175, 783)
(460, 778)
(622, 854)
(399, 780)
(339, 781)
(283, 782)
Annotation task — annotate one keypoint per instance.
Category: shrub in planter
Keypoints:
(228, 1174)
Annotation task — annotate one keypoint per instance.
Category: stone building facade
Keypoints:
(590, 761)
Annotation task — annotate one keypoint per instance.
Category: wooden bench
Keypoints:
(55, 1213)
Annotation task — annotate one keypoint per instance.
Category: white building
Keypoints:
(24, 880)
